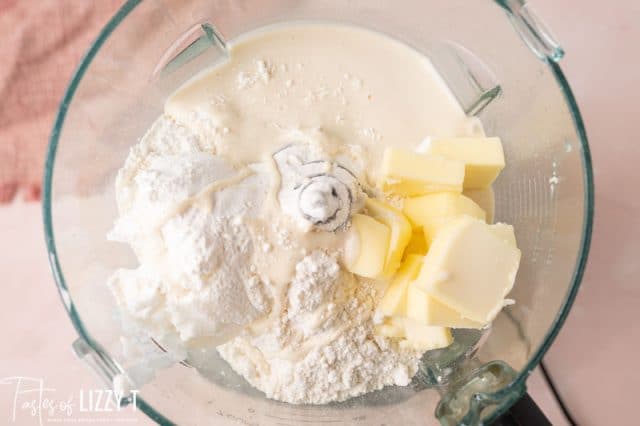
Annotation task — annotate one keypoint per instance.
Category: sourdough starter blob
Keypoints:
(236, 203)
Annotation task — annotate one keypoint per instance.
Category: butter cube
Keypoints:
(431, 212)
(484, 198)
(403, 299)
(483, 158)
(395, 297)
(469, 269)
(418, 336)
(425, 309)
(400, 232)
(417, 244)
(366, 257)
(408, 173)
(425, 337)
(505, 233)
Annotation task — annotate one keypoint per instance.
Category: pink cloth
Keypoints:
(41, 43)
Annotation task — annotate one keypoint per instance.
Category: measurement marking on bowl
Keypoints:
(183, 362)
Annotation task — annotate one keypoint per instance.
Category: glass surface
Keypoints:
(500, 63)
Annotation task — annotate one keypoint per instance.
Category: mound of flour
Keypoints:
(321, 348)
(195, 251)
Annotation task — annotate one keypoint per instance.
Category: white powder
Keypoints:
(195, 277)
(209, 260)
(311, 293)
(315, 279)
(261, 74)
(321, 348)
(282, 237)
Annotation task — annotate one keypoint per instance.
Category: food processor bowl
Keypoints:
(501, 64)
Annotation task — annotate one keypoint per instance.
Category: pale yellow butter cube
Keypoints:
(415, 335)
(425, 309)
(400, 232)
(431, 212)
(408, 173)
(483, 158)
(485, 199)
(368, 246)
(505, 233)
(395, 297)
(469, 269)
(425, 337)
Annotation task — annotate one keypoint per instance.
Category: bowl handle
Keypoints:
(470, 399)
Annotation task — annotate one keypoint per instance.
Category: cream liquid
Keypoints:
(353, 85)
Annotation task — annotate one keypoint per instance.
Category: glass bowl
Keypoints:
(501, 64)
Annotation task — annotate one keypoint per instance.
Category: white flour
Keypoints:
(315, 280)
(322, 347)
(195, 277)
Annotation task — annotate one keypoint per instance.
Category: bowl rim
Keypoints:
(511, 392)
